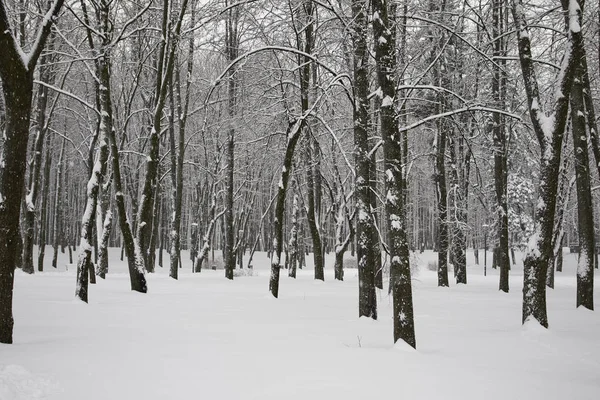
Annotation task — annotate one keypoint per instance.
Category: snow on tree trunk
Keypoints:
(585, 206)
(87, 221)
(293, 244)
(17, 84)
(367, 296)
(499, 132)
(135, 261)
(385, 57)
(167, 51)
(292, 134)
(36, 167)
(549, 129)
(103, 247)
(58, 223)
(43, 226)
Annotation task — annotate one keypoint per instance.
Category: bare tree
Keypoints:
(384, 18)
(16, 73)
(365, 224)
(549, 130)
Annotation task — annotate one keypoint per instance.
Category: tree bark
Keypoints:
(35, 181)
(585, 206)
(293, 134)
(59, 225)
(549, 130)
(43, 225)
(384, 32)
(498, 129)
(367, 298)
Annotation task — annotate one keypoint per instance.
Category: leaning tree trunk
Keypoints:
(100, 166)
(35, 172)
(166, 64)
(549, 130)
(87, 221)
(135, 261)
(293, 134)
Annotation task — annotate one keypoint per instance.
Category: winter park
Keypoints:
(292, 199)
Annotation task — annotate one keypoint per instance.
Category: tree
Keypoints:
(499, 132)
(549, 130)
(384, 31)
(231, 49)
(16, 72)
(365, 227)
(165, 66)
(585, 207)
(35, 183)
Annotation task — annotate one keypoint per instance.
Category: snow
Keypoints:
(574, 16)
(29, 201)
(203, 336)
(387, 102)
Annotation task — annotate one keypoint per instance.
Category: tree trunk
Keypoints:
(498, 129)
(17, 95)
(35, 180)
(293, 134)
(59, 226)
(43, 226)
(549, 130)
(165, 68)
(367, 298)
(135, 261)
(585, 206)
(384, 32)
(103, 248)
(293, 244)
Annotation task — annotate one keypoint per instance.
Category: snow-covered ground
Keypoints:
(204, 337)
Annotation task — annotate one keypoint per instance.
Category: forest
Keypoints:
(347, 139)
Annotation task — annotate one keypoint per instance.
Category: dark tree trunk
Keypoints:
(165, 68)
(231, 43)
(442, 196)
(585, 206)
(16, 74)
(135, 261)
(312, 216)
(377, 261)
(293, 244)
(459, 205)
(312, 173)
(500, 141)
(292, 135)
(549, 131)
(59, 226)
(43, 226)
(17, 93)
(442, 127)
(367, 297)
(35, 179)
(384, 31)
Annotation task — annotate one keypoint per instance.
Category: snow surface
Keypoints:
(206, 337)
